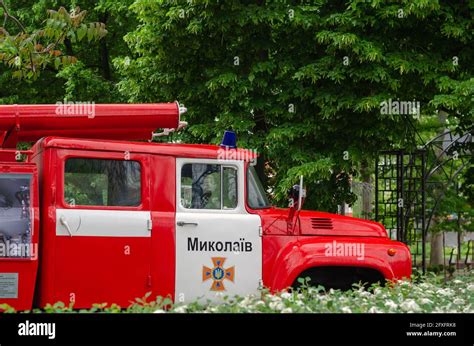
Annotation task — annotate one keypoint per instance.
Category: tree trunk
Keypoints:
(68, 44)
(104, 51)
(436, 255)
(366, 190)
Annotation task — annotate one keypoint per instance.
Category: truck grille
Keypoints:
(321, 223)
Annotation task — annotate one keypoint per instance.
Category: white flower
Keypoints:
(245, 302)
(275, 299)
(378, 291)
(286, 295)
(426, 301)
(458, 301)
(446, 292)
(299, 303)
(365, 294)
(180, 309)
(287, 311)
(159, 311)
(410, 305)
(391, 304)
(458, 282)
(374, 310)
(276, 306)
(404, 283)
(470, 288)
(346, 310)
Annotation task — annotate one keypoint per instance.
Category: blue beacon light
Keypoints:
(229, 140)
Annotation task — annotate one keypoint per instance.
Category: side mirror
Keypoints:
(296, 195)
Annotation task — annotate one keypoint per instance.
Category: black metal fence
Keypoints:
(400, 199)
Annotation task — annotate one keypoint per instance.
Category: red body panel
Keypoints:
(285, 258)
(163, 209)
(176, 150)
(288, 250)
(310, 224)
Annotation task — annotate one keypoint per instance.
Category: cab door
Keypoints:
(103, 228)
(218, 244)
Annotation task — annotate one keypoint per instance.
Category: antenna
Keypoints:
(300, 192)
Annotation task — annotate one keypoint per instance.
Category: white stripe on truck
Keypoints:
(102, 223)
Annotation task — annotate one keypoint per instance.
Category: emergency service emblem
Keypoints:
(218, 274)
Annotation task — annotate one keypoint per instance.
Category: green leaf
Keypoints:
(81, 32)
(90, 33)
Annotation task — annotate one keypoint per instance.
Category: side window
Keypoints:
(208, 186)
(15, 215)
(256, 196)
(97, 182)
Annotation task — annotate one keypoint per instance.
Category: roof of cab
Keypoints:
(170, 149)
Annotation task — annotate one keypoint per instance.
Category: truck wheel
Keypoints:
(342, 278)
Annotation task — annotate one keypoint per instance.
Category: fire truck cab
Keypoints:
(86, 218)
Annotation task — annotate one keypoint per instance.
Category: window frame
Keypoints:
(144, 186)
(31, 174)
(222, 186)
(221, 172)
(237, 165)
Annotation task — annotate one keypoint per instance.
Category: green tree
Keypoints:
(91, 77)
(303, 81)
(27, 53)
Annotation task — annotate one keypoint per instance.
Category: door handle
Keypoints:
(63, 222)
(183, 223)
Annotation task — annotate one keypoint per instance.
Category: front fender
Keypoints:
(308, 252)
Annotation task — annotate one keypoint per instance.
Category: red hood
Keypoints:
(319, 223)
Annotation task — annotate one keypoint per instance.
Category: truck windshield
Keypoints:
(256, 196)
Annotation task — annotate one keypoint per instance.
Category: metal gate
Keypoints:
(400, 199)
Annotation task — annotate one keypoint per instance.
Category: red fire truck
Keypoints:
(86, 217)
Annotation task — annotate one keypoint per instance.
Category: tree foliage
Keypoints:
(27, 53)
(91, 77)
(302, 81)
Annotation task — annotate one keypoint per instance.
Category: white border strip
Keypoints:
(103, 223)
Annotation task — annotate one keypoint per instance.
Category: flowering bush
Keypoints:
(429, 293)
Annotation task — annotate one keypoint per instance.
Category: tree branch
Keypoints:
(8, 15)
(18, 23)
